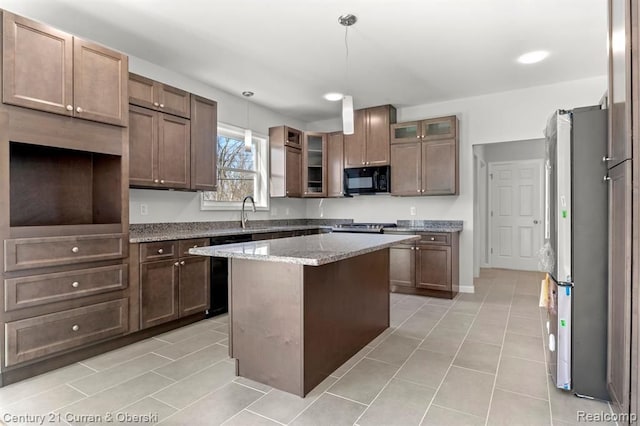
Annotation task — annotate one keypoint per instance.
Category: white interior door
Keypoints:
(516, 209)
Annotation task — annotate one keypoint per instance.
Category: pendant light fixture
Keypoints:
(347, 101)
(248, 137)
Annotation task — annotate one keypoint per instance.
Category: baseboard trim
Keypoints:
(466, 289)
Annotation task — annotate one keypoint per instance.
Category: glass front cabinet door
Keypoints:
(439, 128)
(315, 165)
(405, 132)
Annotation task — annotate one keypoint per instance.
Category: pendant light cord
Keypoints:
(346, 46)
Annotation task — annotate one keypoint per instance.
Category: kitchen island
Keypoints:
(300, 307)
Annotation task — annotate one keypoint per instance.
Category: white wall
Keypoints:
(514, 151)
(177, 206)
(498, 117)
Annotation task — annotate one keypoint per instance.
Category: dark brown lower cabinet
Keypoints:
(175, 287)
(159, 287)
(428, 267)
(402, 261)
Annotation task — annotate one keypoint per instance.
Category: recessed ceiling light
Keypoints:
(533, 57)
(333, 96)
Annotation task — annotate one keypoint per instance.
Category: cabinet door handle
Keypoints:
(176, 264)
(606, 179)
(417, 248)
(182, 262)
(605, 159)
(433, 238)
(413, 248)
(75, 250)
(161, 105)
(155, 104)
(418, 191)
(195, 246)
(75, 327)
(78, 110)
(161, 180)
(69, 107)
(75, 284)
(160, 251)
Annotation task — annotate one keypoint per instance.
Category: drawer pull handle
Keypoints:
(75, 249)
(160, 251)
(75, 327)
(182, 263)
(433, 238)
(75, 284)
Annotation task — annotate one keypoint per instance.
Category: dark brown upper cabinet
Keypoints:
(369, 144)
(424, 157)
(158, 96)
(314, 164)
(204, 140)
(285, 157)
(49, 70)
(159, 150)
(335, 164)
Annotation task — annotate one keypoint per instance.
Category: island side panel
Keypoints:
(346, 305)
(266, 322)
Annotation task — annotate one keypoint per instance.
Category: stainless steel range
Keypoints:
(367, 228)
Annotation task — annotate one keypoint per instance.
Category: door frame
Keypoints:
(491, 165)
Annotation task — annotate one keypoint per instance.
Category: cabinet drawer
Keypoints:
(27, 253)
(39, 336)
(158, 251)
(435, 238)
(185, 245)
(38, 290)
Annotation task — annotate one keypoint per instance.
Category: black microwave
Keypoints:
(367, 180)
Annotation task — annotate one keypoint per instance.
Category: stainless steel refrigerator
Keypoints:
(575, 251)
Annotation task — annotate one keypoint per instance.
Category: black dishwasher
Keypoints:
(220, 275)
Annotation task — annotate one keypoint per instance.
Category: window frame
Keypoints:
(261, 185)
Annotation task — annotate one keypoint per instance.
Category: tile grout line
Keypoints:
(248, 405)
(444, 377)
(162, 402)
(347, 399)
(76, 389)
(263, 416)
(495, 380)
(412, 352)
(353, 366)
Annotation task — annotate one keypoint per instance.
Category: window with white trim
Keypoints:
(242, 168)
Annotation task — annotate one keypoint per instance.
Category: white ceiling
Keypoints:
(291, 52)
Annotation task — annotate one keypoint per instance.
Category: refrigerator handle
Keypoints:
(547, 202)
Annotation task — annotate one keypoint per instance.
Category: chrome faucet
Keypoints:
(243, 214)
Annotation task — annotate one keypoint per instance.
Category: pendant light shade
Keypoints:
(347, 115)
(248, 139)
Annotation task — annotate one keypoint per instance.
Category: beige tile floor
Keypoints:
(476, 360)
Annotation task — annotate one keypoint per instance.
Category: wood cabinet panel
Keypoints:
(39, 336)
(99, 83)
(174, 151)
(174, 101)
(402, 265)
(141, 91)
(185, 245)
(293, 172)
(335, 164)
(433, 267)
(406, 169)
(377, 130)
(194, 285)
(159, 289)
(158, 250)
(36, 290)
(29, 253)
(204, 137)
(355, 144)
(619, 327)
(37, 66)
(439, 168)
(143, 146)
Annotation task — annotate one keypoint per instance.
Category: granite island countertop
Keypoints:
(311, 250)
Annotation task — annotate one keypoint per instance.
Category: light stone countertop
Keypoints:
(312, 250)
